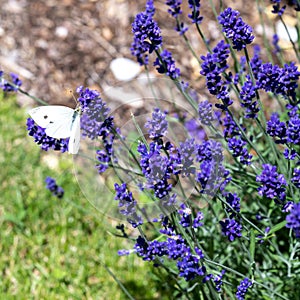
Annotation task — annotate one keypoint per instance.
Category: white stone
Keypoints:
(124, 69)
(61, 32)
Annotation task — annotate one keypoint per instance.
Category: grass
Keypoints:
(56, 248)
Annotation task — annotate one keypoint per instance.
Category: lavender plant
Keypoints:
(233, 231)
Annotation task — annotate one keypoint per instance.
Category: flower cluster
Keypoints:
(46, 142)
(217, 280)
(231, 228)
(86, 97)
(242, 289)
(256, 62)
(94, 121)
(296, 178)
(293, 219)
(273, 184)
(186, 217)
(187, 153)
(195, 15)
(157, 169)
(52, 186)
(104, 155)
(275, 41)
(214, 64)
(175, 248)
(281, 81)
(205, 113)
(276, 128)
(212, 174)
(158, 125)
(235, 29)
(236, 143)
(175, 10)
(285, 133)
(127, 205)
(247, 96)
(175, 7)
(292, 131)
(237, 147)
(166, 65)
(277, 9)
(12, 86)
(234, 201)
(147, 34)
(230, 127)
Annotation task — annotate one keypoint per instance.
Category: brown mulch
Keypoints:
(56, 45)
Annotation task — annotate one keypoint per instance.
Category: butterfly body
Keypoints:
(60, 122)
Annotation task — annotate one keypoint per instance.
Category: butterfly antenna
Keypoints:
(70, 92)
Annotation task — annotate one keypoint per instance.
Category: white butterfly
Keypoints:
(60, 122)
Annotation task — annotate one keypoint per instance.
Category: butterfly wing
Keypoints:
(56, 119)
(75, 136)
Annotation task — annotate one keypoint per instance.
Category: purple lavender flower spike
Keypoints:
(206, 116)
(127, 205)
(237, 147)
(198, 218)
(195, 15)
(289, 154)
(187, 153)
(213, 65)
(235, 29)
(95, 121)
(288, 206)
(166, 65)
(281, 81)
(147, 34)
(217, 280)
(231, 228)
(52, 186)
(247, 95)
(7, 87)
(275, 41)
(158, 125)
(256, 61)
(293, 129)
(293, 219)
(186, 215)
(175, 7)
(230, 127)
(43, 140)
(296, 178)
(277, 129)
(158, 168)
(273, 184)
(189, 267)
(242, 289)
(277, 10)
(234, 201)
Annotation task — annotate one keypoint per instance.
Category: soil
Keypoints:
(57, 45)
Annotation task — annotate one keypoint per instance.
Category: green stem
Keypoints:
(290, 38)
(118, 282)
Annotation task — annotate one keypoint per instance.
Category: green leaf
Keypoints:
(277, 227)
(252, 245)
